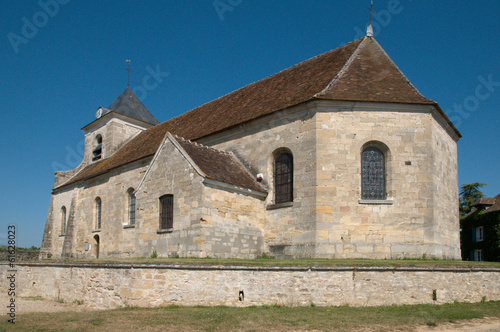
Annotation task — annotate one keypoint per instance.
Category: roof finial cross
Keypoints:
(129, 70)
(371, 12)
(369, 29)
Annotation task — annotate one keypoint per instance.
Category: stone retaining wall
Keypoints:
(103, 285)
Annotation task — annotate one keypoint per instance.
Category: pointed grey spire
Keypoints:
(128, 104)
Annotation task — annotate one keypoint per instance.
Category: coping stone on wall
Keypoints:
(259, 268)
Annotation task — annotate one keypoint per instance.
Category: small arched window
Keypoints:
(97, 152)
(98, 206)
(283, 178)
(63, 220)
(131, 206)
(373, 174)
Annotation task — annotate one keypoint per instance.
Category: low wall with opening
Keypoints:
(102, 285)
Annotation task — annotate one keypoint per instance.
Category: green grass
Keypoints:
(265, 261)
(33, 298)
(271, 318)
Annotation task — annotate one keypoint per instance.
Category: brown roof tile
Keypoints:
(219, 165)
(495, 206)
(484, 201)
(372, 76)
(357, 71)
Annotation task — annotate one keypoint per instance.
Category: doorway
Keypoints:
(96, 238)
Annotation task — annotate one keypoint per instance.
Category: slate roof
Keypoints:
(128, 104)
(219, 165)
(358, 71)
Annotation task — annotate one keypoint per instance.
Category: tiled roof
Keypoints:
(484, 201)
(487, 204)
(358, 71)
(495, 206)
(219, 165)
(128, 104)
(370, 75)
(471, 212)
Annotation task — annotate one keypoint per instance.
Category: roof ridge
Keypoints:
(259, 81)
(201, 145)
(399, 70)
(343, 70)
(347, 73)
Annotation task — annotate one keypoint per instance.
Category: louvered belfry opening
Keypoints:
(97, 152)
(283, 178)
(372, 174)
(167, 212)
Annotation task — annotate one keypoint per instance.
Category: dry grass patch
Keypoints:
(262, 318)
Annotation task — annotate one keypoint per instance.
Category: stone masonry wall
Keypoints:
(79, 201)
(290, 229)
(445, 192)
(207, 221)
(327, 217)
(115, 132)
(349, 227)
(150, 285)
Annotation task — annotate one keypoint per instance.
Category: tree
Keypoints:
(469, 193)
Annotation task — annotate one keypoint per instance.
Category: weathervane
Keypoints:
(129, 70)
(369, 29)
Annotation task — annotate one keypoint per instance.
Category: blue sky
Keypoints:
(62, 59)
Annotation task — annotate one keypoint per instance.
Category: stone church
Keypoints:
(339, 156)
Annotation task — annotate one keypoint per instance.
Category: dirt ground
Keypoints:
(25, 305)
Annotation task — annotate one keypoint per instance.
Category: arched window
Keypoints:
(283, 178)
(98, 204)
(372, 174)
(131, 206)
(97, 152)
(166, 212)
(63, 220)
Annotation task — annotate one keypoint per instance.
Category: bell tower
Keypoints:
(115, 125)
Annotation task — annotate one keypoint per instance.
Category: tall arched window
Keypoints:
(63, 220)
(283, 178)
(98, 206)
(131, 206)
(97, 152)
(166, 212)
(373, 174)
